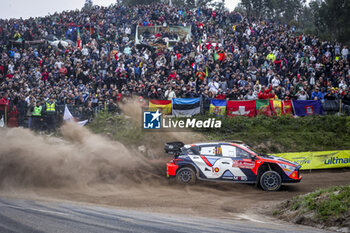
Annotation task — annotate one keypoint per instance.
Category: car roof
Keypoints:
(215, 143)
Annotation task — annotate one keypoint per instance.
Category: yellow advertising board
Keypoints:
(319, 159)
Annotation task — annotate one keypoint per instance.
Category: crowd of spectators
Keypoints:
(227, 57)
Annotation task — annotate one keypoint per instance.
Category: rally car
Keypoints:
(231, 161)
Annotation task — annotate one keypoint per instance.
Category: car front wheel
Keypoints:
(270, 181)
(186, 175)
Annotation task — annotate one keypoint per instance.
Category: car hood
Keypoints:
(279, 159)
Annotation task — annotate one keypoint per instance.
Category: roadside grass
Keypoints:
(285, 134)
(118, 128)
(328, 207)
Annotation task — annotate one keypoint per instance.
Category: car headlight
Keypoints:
(287, 167)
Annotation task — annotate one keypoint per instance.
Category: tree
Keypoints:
(137, 2)
(332, 19)
(88, 5)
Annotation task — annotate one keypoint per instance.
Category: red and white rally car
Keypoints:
(230, 161)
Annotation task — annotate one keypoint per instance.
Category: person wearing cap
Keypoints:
(317, 95)
(50, 113)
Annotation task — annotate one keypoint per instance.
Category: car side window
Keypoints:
(228, 151)
(208, 150)
(242, 153)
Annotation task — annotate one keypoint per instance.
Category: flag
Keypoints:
(199, 14)
(307, 107)
(276, 106)
(287, 107)
(193, 65)
(241, 108)
(206, 72)
(78, 38)
(263, 107)
(190, 106)
(91, 30)
(219, 56)
(164, 106)
(199, 47)
(67, 116)
(218, 107)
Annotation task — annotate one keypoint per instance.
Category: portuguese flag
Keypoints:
(164, 106)
(219, 56)
(263, 107)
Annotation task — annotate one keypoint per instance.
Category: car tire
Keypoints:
(270, 181)
(186, 175)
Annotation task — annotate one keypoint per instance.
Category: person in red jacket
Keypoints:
(266, 94)
(221, 95)
(4, 104)
(172, 75)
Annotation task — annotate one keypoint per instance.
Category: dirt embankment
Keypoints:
(325, 208)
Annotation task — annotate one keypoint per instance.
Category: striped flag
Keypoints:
(194, 65)
(199, 47)
(276, 106)
(190, 106)
(164, 106)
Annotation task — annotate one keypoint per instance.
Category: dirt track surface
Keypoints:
(219, 200)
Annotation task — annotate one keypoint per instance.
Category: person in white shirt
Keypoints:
(170, 93)
(302, 95)
(213, 86)
(345, 53)
(275, 81)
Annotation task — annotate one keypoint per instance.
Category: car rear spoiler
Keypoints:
(173, 148)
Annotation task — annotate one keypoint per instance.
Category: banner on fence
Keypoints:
(164, 106)
(319, 159)
(190, 106)
(287, 107)
(276, 106)
(263, 107)
(218, 107)
(307, 107)
(241, 108)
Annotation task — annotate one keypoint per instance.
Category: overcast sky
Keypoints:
(34, 8)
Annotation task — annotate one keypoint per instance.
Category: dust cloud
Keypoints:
(80, 158)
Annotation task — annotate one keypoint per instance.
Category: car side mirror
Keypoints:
(253, 157)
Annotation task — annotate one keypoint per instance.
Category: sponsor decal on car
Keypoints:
(242, 178)
(243, 164)
(216, 169)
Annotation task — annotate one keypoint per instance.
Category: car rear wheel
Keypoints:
(186, 175)
(270, 181)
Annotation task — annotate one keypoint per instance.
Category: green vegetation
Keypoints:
(286, 134)
(328, 207)
(266, 134)
(117, 127)
(328, 19)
